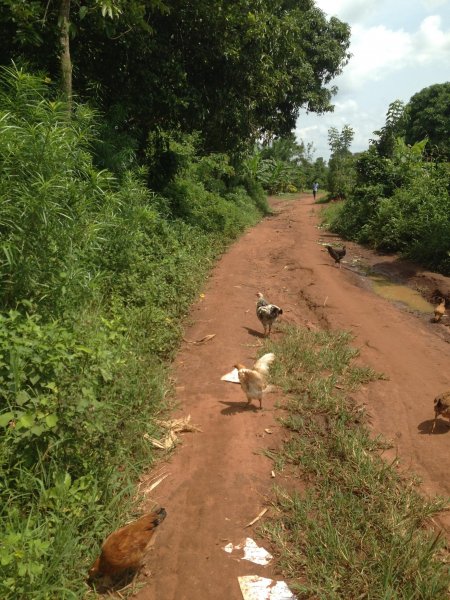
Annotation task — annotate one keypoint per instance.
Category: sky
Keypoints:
(398, 48)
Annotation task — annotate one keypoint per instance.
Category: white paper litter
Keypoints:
(252, 551)
(261, 588)
(232, 376)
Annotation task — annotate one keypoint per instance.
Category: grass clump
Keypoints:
(358, 531)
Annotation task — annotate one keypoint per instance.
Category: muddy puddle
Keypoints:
(395, 292)
(400, 293)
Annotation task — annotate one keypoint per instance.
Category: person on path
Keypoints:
(315, 187)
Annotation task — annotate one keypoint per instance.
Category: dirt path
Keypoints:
(219, 479)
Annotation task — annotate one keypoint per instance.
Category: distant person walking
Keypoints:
(315, 188)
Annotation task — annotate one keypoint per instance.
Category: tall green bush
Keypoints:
(96, 275)
(400, 204)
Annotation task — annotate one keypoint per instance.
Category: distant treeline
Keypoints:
(398, 191)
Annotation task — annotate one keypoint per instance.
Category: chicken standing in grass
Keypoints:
(441, 407)
(253, 381)
(124, 549)
(336, 253)
(439, 310)
(267, 313)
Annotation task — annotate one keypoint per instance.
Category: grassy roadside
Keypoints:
(97, 276)
(330, 212)
(358, 531)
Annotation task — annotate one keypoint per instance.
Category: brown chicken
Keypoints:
(124, 549)
(439, 310)
(336, 253)
(253, 381)
(267, 313)
(441, 407)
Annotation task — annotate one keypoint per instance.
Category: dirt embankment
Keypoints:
(220, 479)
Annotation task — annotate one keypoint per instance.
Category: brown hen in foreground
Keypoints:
(441, 407)
(336, 253)
(253, 381)
(124, 549)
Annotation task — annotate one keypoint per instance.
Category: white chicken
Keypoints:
(253, 381)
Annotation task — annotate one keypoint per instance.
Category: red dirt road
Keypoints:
(219, 479)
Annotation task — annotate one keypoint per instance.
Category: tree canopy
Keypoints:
(235, 71)
(429, 117)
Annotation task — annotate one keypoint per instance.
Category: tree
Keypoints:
(235, 71)
(395, 126)
(340, 142)
(39, 24)
(341, 172)
(318, 172)
(66, 62)
(429, 117)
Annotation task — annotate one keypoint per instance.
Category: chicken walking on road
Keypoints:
(253, 381)
(441, 408)
(336, 253)
(267, 313)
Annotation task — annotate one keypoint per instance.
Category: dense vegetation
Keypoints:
(127, 162)
(96, 275)
(398, 191)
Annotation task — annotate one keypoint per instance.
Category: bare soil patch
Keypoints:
(220, 478)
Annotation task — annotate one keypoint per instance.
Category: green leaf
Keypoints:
(105, 374)
(22, 397)
(5, 418)
(52, 386)
(37, 430)
(83, 12)
(26, 420)
(51, 420)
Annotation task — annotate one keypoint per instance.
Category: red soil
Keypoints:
(219, 479)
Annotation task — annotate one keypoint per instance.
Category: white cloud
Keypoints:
(432, 4)
(347, 112)
(431, 42)
(379, 51)
(307, 132)
(398, 49)
(349, 10)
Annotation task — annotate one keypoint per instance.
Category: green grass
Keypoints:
(330, 213)
(356, 528)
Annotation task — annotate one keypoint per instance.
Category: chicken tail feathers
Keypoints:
(262, 364)
(160, 515)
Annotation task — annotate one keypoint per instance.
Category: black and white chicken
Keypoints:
(336, 253)
(267, 313)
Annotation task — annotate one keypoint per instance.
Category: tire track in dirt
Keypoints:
(220, 479)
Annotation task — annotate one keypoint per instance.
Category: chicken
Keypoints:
(441, 407)
(124, 549)
(439, 310)
(253, 381)
(336, 253)
(267, 313)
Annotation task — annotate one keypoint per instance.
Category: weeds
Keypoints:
(97, 275)
(358, 531)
